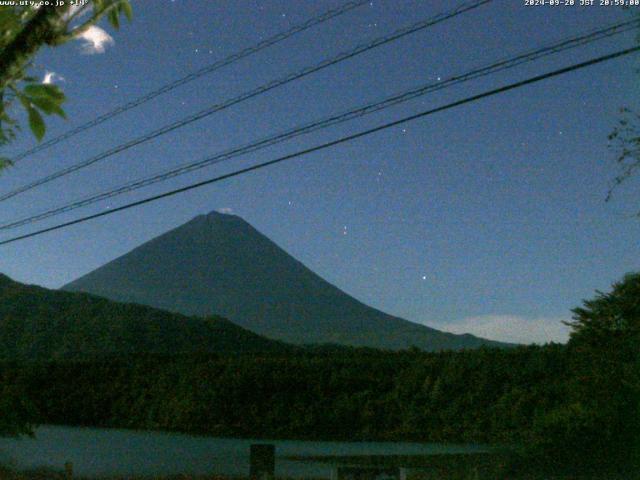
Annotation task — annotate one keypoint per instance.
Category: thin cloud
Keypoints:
(225, 210)
(95, 39)
(51, 77)
(512, 328)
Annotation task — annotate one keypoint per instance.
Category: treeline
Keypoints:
(483, 395)
(540, 397)
(572, 405)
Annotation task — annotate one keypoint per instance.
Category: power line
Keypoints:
(332, 143)
(501, 65)
(246, 52)
(423, 24)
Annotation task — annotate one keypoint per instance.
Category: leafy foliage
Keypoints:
(625, 140)
(23, 31)
(16, 411)
(524, 396)
(610, 317)
(348, 393)
(567, 407)
(606, 340)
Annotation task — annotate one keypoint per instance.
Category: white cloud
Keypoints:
(225, 210)
(50, 77)
(95, 40)
(511, 328)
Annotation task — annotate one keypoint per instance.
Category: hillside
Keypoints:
(219, 264)
(36, 323)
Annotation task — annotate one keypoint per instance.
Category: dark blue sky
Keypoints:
(489, 217)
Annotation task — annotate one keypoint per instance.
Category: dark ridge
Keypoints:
(37, 323)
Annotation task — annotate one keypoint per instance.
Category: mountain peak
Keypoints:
(216, 216)
(221, 213)
(219, 264)
(209, 222)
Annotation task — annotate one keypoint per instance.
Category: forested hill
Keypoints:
(219, 264)
(36, 323)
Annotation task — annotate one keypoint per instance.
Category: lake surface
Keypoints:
(101, 452)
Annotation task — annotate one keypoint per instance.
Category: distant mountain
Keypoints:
(219, 264)
(36, 323)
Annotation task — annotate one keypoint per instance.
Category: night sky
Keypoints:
(487, 218)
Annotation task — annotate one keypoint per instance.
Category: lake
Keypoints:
(100, 452)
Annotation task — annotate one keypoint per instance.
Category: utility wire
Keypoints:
(501, 65)
(332, 143)
(423, 24)
(246, 52)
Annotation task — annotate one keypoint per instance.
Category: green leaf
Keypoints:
(36, 123)
(48, 106)
(9, 24)
(126, 9)
(114, 18)
(45, 90)
(24, 100)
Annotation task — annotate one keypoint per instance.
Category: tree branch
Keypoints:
(42, 29)
(98, 13)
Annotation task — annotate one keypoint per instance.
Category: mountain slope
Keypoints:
(36, 323)
(219, 264)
